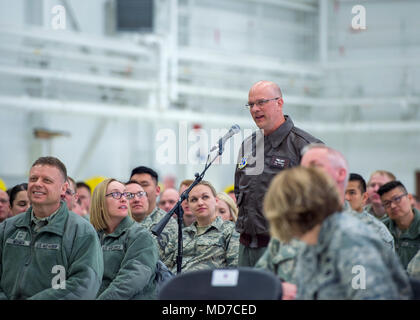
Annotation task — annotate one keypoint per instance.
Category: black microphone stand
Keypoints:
(177, 209)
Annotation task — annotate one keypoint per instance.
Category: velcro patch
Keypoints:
(48, 246)
(18, 242)
(279, 162)
(115, 247)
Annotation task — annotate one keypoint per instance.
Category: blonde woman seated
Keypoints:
(341, 258)
(226, 207)
(209, 242)
(129, 251)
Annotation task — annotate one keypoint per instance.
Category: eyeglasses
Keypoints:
(396, 200)
(117, 195)
(139, 195)
(259, 103)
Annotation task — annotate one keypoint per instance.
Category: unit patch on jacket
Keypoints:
(19, 239)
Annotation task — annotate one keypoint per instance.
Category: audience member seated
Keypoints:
(209, 242)
(48, 252)
(84, 194)
(129, 251)
(280, 258)
(72, 198)
(148, 179)
(356, 194)
(167, 199)
(19, 201)
(341, 259)
(139, 205)
(226, 207)
(403, 221)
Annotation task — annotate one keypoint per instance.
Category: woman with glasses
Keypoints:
(129, 251)
(209, 242)
(18, 197)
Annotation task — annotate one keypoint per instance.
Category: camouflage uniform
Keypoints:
(169, 233)
(217, 247)
(280, 258)
(407, 242)
(380, 229)
(348, 262)
(413, 268)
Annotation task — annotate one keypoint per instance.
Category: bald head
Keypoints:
(268, 86)
(168, 198)
(330, 161)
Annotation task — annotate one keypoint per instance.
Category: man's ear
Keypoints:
(64, 188)
(280, 103)
(410, 197)
(157, 190)
(342, 175)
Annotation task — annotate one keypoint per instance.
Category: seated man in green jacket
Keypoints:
(49, 252)
(403, 221)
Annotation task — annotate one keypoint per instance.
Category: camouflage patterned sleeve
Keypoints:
(413, 268)
(232, 249)
(266, 260)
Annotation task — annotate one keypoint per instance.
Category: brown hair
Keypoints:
(208, 184)
(298, 199)
(53, 162)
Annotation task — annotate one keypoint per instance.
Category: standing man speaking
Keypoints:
(276, 146)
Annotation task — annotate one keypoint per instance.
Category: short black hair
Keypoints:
(15, 190)
(391, 186)
(82, 184)
(143, 169)
(362, 182)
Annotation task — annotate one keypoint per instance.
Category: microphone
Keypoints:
(233, 130)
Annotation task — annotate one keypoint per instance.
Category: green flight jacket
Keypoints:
(130, 257)
(62, 261)
(408, 243)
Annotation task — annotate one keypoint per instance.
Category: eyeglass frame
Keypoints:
(134, 194)
(396, 200)
(70, 192)
(260, 103)
(125, 194)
